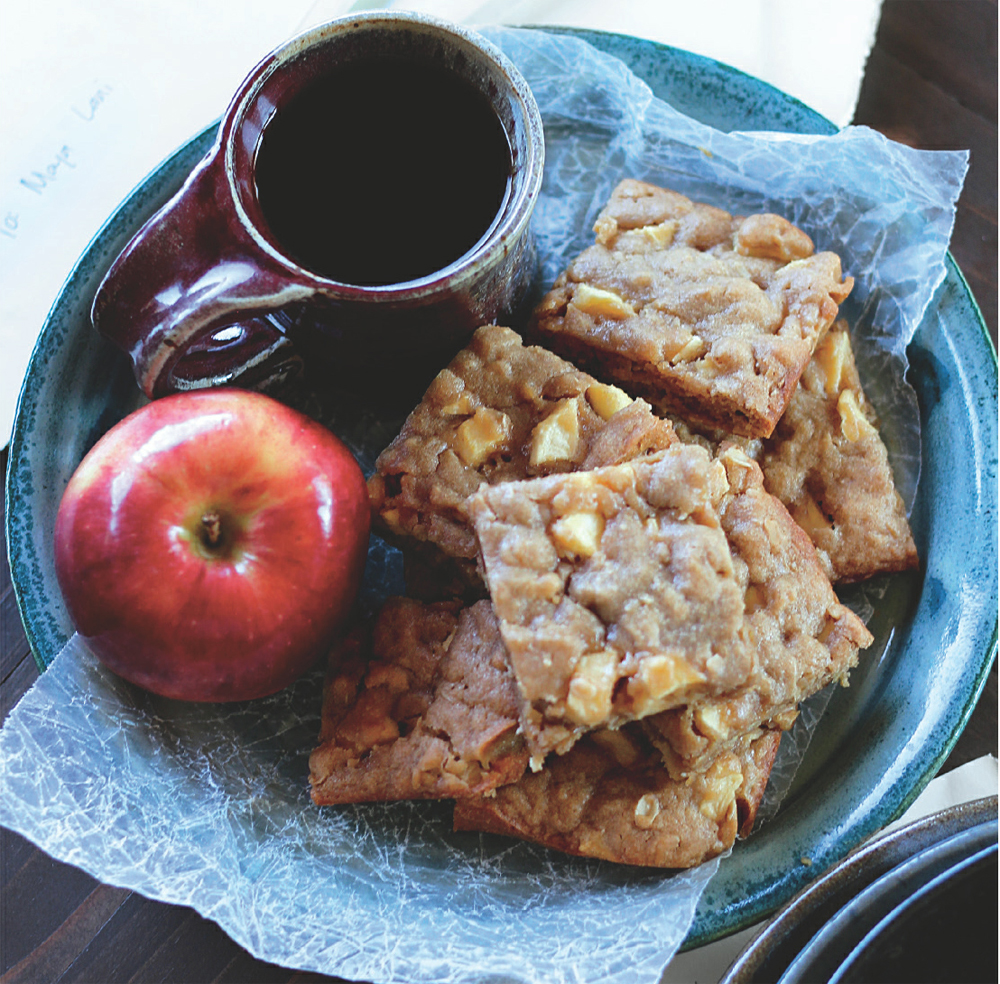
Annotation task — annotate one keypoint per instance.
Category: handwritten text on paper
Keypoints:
(58, 163)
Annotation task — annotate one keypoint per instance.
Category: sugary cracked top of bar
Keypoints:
(799, 634)
(615, 591)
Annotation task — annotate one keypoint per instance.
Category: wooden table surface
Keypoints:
(931, 82)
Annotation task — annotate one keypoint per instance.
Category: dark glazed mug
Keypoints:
(207, 293)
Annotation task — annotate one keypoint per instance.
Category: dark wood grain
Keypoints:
(927, 34)
(59, 949)
(931, 82)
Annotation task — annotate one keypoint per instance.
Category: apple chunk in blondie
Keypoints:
(500, 411)
(800, 636)
(421, 705)
(610, 797)
(615, 592)
(706, 315)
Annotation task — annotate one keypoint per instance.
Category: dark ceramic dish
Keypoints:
(881, 740)
(815, 933)
(821, 957)
(942, 933)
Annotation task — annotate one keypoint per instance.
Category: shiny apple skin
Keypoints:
(156, 601)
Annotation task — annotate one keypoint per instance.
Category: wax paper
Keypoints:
(208, 806)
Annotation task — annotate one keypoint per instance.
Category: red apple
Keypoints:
(210, 545)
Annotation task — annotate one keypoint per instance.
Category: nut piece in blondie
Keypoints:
(611, 798)
(419, 706)
(615, 592)
(499, 411)
(801, 637)
(706, 315)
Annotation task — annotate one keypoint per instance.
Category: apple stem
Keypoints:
(211, 524)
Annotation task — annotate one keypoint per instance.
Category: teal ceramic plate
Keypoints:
(881, 740)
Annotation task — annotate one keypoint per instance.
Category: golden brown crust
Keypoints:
(705, 315)
(419, 706)
(609, 797)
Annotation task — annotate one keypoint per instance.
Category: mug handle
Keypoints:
(192, 299)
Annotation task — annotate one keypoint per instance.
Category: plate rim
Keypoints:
(590, 34)
(704, 929)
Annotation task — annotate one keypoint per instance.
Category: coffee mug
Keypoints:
(368, 199)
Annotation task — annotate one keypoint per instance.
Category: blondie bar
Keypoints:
(706, 315)
(615, 592)
(800, 636)
(827, 464)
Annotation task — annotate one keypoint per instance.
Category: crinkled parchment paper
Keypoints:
(208, 805)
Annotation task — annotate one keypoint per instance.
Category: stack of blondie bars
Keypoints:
(621, 542)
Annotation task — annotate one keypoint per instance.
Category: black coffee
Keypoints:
(382, 172)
